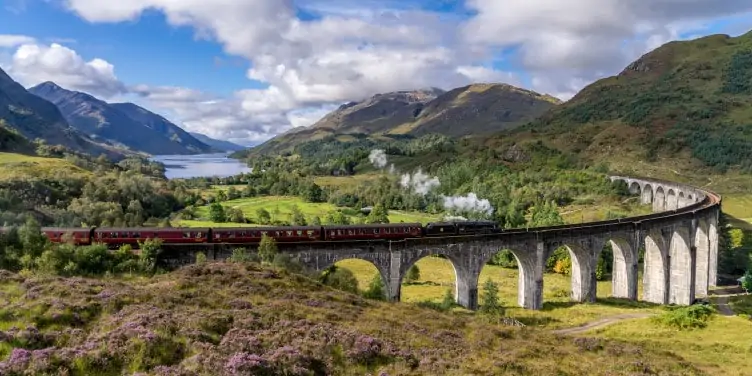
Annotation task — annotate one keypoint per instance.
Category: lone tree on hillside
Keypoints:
(217, 213)
(413, 274)
(267, 248)
(491, 305)
(375, 289)
(378, 214)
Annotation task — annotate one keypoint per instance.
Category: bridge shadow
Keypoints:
(609, 302)
(536, 320)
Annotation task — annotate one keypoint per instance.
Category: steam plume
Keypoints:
(420, 182)
(469, 203)
(378, 158)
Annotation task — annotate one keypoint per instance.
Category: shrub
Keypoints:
(240, 255)
(267, 248)
(375, 289)
(491, 305)
(691, 317)
(341, 279)
(413, 274)
(200, 258)
(747, 281)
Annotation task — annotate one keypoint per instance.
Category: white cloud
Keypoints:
(10, 40)
(357, 49)
(34, 63)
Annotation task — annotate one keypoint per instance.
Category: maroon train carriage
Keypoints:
(80, 236)
(253, 234)
(373, 231)
(120, 236)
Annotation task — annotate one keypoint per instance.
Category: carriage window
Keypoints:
(300, 232)
(309, 232)
(375, 231)
(243, 234)
(113, 235)
(289, 233)
(350, 232)
(188, 235)
(198, 234)
(276, 233)
(137, 235)
(331, 233)
(232, 235)
(217, 235)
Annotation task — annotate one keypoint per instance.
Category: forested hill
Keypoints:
(478, 109)
(684, 107)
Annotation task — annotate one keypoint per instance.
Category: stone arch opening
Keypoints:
(635, 189)
(681, 268)
(682, 200)
(617, 264)
(647, 194)
(506, 269)
(437, 275)
(655, 276)
(672, 200)
(366, 274)
(659, 200)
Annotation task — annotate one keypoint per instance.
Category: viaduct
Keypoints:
(680, 242)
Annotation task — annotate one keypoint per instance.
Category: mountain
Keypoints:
(25, 117)
(106, 123)
(217, 144)
(164, 127)
(478, 109)
(685, 107)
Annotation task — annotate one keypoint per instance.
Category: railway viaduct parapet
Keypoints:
(680, 243)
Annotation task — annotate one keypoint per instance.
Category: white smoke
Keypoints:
(454, 218)
(420, 182)
(467, 204)
(378, 158)
(392, 170)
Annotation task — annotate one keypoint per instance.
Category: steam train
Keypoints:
(116, 237)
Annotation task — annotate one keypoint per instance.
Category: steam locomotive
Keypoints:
(116, 237)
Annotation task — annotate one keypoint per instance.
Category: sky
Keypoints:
(246, 70)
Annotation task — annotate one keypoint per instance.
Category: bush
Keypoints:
(691, 317)
(267, 248)
(505, 259)
(413, 274)
(491, 305)
(200, 258)
(341, 279)
(375, 289)
(240, 255)
(747, 281)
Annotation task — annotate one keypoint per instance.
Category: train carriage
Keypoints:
(254, 234)
(373, 231)
(441, 229)
(79, 236)
(116, 237)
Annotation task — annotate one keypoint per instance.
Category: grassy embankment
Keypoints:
(18, 166)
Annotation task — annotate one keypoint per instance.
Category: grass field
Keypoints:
(19, 166)
(437, 276)
(722, 348)
(283, 205)
(739, 206)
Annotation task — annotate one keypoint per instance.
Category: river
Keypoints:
(200, 165)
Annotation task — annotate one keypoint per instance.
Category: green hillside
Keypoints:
(682, 109)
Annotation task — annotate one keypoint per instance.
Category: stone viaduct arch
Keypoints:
(680, 240)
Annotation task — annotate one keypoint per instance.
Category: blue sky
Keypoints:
(291, 61)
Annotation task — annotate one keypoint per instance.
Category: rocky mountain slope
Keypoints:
(217, 144)
(135, 128)
(473, 110)
(24, 115)
(685, 107)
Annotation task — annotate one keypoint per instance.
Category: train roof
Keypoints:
(375, 225)
(111, 229)
(67, 228)
(266, 228)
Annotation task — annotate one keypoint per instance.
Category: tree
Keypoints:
(491, 304)
(232, 193)
(200, 258)
(378, 214)
(448, 301)
(267, 248)
(313, 193)
(221, 196)
(316, 221)
(375, 289)
(747, 281)
(297, 217)
(217, 213)
(545, 214)
(413, 274)
(263, 216)
(151, 249)
(341, 279)
(235, 215)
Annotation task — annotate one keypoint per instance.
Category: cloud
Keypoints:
(564, 45)
(32, 64)
(350, 51)
(10, 40)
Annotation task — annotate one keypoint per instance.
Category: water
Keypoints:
(200, 165)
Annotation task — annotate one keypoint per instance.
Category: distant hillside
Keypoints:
(479, 109)
(163, 126)
(106, 123)
(26, 117)
(685, 107)
(217, 144)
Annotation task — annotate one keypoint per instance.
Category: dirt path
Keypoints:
(723, 306)
(721, 297)
(602, 322)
